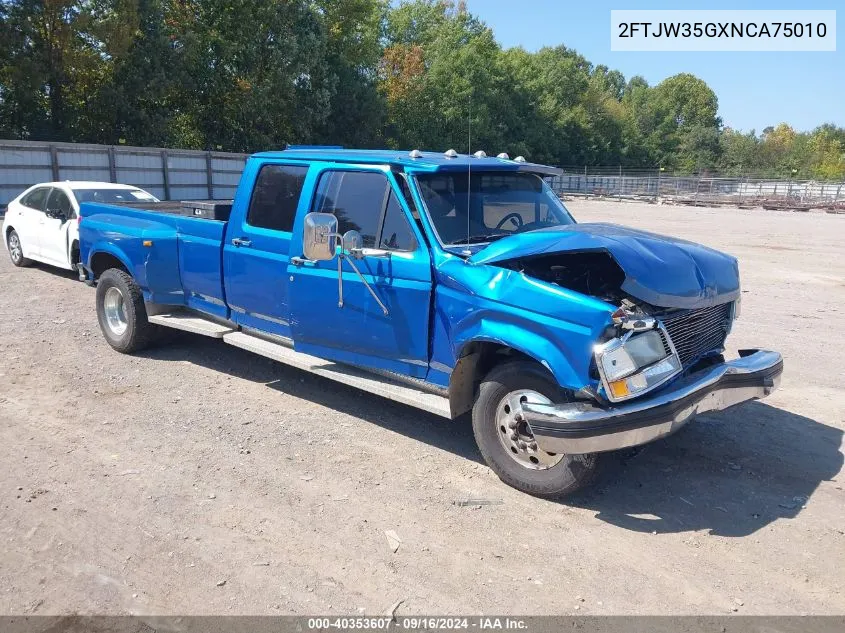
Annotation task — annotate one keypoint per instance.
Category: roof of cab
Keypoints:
(407, 160)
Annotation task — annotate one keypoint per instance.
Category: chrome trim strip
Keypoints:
(266, 317)
(581, 427)
(209, 298)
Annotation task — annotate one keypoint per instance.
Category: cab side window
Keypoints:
(35, 199)
(276, 196)
(356, 198)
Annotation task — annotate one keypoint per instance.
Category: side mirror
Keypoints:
(352, 241)
(318, 239)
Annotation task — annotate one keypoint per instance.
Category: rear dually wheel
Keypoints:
(121, 312)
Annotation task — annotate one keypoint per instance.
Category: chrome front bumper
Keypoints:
(581, 427)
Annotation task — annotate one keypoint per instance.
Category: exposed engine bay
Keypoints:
(592, 273)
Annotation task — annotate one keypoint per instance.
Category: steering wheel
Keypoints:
(510, 216)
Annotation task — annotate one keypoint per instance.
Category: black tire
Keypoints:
(139, 332)
(16, 253)
(571, 473)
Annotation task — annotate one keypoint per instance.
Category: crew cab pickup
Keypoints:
(452, 283)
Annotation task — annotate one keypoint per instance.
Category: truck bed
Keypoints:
(173, 253)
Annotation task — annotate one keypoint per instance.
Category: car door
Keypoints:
(396, 266)
(53, 227)
(27, 223)
(255, 255)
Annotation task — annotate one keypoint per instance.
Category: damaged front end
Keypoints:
(659, 361)
(676, 300)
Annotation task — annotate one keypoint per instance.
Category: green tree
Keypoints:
(354, 29)
(256, 75)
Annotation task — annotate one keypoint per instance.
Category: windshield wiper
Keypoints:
(475, 239)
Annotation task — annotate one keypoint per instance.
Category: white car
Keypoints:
(42, 223)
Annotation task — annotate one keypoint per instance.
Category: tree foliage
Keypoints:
(246, 75)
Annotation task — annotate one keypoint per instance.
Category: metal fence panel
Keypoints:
(168, 174)
(700, 190)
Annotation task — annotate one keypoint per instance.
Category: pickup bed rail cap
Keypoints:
(425, 161)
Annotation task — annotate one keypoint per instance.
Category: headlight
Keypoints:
(617, 363)
(636, 363)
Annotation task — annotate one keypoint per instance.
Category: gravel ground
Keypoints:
(197, 478)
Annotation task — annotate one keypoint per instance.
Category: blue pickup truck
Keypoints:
(457, 284)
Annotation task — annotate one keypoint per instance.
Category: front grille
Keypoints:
(697, 332)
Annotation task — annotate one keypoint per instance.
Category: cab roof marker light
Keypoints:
(450, 153)
(415, 153)
(503, 156)
(520, 159)
(480, 154)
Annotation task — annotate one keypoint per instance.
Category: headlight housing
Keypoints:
(636, 362)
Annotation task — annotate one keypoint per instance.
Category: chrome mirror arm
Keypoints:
(367, 285)
(349, 258)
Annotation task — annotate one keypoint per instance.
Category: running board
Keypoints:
(346, 374)
(189, 323)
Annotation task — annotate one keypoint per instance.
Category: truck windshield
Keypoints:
(486, 205)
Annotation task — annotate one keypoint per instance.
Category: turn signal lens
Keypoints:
(619, 389)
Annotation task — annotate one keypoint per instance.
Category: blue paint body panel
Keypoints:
(438, 301)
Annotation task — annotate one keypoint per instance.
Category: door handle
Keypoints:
(302, 261)
(240, 241)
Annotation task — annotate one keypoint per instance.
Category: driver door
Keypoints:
(53, 228)
(396, 267)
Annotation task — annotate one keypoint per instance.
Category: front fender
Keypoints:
(526, 338)
(552, 325)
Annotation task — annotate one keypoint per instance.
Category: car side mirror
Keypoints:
(319, 239)
(56, 214)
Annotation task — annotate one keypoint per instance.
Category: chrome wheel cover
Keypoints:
(114, 311)
(515, 435)
(15, 249)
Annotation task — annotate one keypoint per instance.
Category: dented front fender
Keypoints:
(480, 303)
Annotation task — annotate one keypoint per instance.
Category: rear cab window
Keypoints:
(364, 201)
(275, 197)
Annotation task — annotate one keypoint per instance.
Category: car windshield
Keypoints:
(483, 206)
(113, 195)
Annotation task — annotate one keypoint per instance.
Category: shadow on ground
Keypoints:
(731, 473)
(419, 425)
(56, 272)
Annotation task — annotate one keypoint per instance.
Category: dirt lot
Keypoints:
(199, 478)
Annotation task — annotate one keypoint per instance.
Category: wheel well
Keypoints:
(475, 362)
(101, 262)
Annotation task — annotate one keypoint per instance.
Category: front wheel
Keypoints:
(121, 312)
(506, 441)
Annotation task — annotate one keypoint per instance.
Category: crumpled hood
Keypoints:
(660, 270)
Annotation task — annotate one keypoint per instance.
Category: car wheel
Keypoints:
(13, 243)
(121, 312)
(505, 439)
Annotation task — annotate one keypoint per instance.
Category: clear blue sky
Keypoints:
(754, 89)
